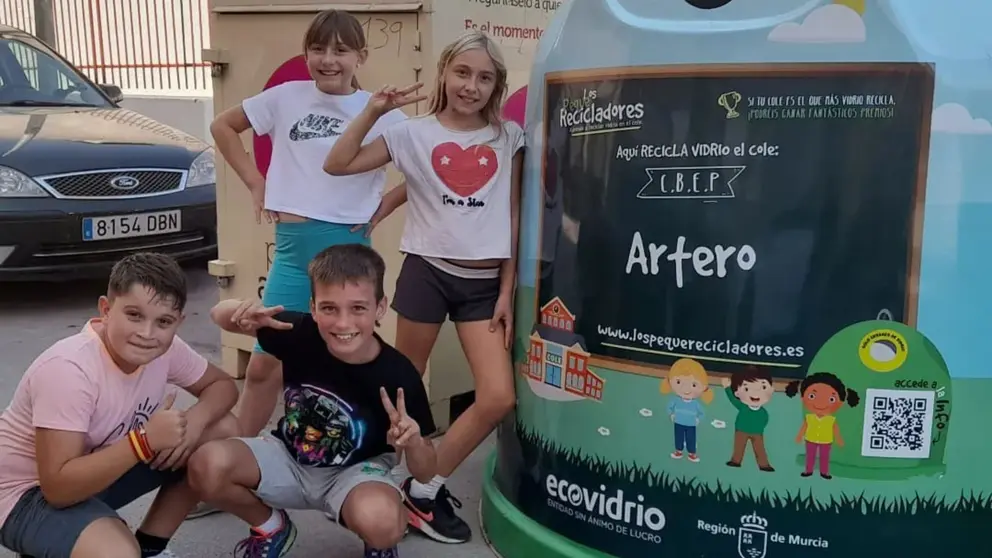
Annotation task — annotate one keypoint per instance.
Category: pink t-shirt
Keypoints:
(75, 386)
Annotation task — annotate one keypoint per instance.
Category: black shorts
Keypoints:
(36, 528)
(427, 294)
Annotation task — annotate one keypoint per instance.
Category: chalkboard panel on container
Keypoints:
(739, 215)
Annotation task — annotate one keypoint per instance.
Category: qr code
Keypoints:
(898, 423)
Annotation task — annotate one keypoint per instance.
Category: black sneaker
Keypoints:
(436, 518)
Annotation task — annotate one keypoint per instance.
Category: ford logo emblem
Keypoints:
(124, 182)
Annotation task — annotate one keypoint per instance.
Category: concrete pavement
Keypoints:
(35, 316)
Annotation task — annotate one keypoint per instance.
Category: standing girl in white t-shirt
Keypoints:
(311, 209)
(462, 164)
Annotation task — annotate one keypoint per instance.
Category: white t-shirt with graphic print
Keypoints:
(304, 123)
(458, 187)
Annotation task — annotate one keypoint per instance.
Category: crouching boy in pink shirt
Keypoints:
(91, 426)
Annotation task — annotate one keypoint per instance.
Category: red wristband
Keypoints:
(132, 438)
(143, 440)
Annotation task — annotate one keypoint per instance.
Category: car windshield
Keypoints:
(30, 76)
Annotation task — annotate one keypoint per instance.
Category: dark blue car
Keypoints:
(84, 182)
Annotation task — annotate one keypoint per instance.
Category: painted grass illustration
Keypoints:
(921, 525)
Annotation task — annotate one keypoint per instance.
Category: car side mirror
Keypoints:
(112, 91)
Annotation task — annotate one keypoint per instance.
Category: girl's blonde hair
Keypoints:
(331, 27)
(472, 40)
(688, 368)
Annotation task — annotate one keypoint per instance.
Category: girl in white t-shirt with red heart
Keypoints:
(462, 164)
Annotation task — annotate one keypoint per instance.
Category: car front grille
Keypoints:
(123, 183)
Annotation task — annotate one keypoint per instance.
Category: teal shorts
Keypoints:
(288, 284)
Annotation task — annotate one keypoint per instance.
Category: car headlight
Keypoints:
(202, 172)
(16, 184)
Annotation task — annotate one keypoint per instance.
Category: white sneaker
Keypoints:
(202, 509)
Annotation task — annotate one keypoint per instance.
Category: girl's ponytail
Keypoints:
(853, 398)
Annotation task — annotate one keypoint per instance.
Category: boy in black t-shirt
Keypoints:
(333, 449)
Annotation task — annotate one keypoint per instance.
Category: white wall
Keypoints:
(191, 114)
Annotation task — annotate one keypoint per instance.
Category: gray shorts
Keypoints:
(285, 484)
(425, 294)
(36, 528)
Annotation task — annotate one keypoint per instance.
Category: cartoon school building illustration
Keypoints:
(556, 350)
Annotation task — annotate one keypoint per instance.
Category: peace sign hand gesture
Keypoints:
(250, 316)
(389, 97)
(403, 431)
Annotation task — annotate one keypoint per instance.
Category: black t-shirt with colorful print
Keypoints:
(334, 415)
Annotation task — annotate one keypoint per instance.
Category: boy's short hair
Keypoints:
(347, 263)
(749, 374)
(158, 272)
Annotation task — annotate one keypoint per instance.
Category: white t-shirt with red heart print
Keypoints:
(458, 187)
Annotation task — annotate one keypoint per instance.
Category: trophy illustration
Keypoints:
(729, 101)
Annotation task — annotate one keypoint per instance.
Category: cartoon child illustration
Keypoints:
(823, 394)
(749, 390)
(688, 381)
